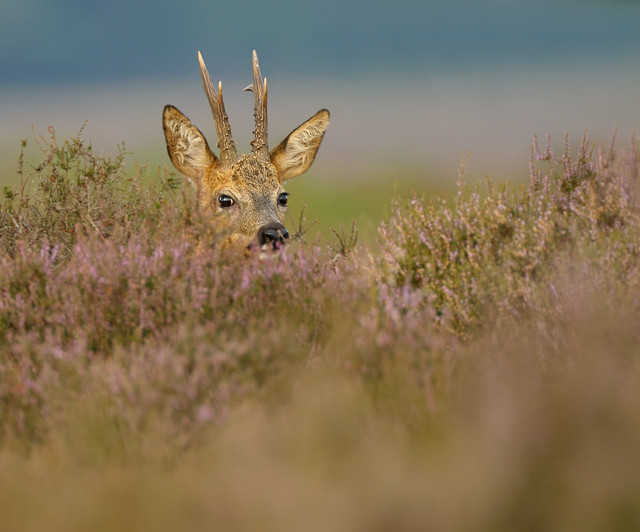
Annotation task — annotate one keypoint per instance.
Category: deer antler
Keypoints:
(228, 153)
(259, 89)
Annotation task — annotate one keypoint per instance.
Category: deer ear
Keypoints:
(294, 154)
(186, 145)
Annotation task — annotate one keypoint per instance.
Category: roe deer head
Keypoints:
(245, 192)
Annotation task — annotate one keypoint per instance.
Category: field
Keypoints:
(472, 366)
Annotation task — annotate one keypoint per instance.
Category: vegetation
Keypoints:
(479, 372)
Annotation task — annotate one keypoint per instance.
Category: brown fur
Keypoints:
(252, 182)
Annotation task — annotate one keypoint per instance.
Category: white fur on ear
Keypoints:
(295, 154)
(186, 145)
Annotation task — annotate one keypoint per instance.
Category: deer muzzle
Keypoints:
(273, 234)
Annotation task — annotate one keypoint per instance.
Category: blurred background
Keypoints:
(414, 86)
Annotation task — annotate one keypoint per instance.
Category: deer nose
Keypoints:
(274, 233)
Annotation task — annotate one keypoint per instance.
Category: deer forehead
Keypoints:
(249, 177)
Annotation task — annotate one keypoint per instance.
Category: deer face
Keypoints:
(251, 201)
(244, 194)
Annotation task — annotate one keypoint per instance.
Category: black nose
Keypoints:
(272, 233)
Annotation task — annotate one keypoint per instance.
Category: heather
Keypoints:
(493, 251)
(477, 369)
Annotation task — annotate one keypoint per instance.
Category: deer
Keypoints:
(243, 192)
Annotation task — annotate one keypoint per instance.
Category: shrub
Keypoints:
(117, 292)
(489, 253)
(148, 379)
(73, 192)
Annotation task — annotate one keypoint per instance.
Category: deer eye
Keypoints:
(225, 201)
(282, 199)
